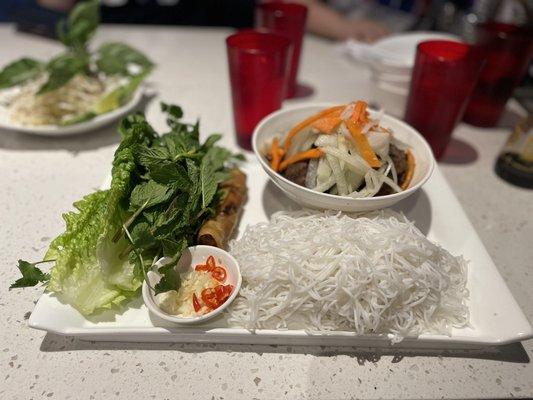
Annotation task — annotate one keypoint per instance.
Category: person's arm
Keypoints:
(57, 5)
(324, 21)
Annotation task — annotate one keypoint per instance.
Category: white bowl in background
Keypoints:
(396, 79)
(191, 257)
(400, 50)
(279, 123)
(397, 84)
(390, 97)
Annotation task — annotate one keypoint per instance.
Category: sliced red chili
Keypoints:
(219, 274)
(196, 303)
(229, 289)
(209, 297)
(222, 293)
(201, 267)
(211, 264)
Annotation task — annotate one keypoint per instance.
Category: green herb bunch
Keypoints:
(163, 189)
(110, 59)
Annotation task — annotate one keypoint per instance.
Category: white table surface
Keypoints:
(41, 177)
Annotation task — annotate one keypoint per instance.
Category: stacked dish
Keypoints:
(391, 62)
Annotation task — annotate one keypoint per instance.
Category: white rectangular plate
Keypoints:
(495, 318)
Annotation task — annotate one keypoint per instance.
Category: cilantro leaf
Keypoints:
(31, 275)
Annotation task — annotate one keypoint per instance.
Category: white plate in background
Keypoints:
(401, 49)
(75, 129)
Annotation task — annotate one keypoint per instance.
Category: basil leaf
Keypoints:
(62, 69)
(117, 58)
(19, 72)
(80, 26)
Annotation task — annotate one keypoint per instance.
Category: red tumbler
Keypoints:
(258, 65)
(287, 19)
(508, 49)
(443, 79)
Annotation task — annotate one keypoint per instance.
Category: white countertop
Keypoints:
(41, 177)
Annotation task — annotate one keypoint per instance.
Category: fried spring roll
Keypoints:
(218, 230)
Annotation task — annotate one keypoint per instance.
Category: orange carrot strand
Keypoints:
(306, 122)
(276, 153)
(362, 144)
(304, 155)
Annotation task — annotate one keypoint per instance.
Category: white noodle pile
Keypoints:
(321, 271)
(77, 97)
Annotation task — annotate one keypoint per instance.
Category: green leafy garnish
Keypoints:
(31, 275)
(61, 70)
(19, 72)
(117, 58)
(163, 189)
(110, 59)
(80, 26)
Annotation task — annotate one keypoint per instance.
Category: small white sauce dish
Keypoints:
(191, 257)
(280, 122)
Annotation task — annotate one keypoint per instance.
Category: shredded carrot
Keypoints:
(362, 144)
(306, 122)
(304, 155)
(359, 112)
(410, 170)
(277, 154)
(329, 122)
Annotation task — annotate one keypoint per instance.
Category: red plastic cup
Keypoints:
(287, 19)
(443, 79)
(258, 64)
(508, 49)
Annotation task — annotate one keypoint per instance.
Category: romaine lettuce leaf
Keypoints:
(76, 276)
(89, 272)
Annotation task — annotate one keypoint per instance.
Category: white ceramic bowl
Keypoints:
(191, 257)
(390, 97)
(400, 50)
(279, 123)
